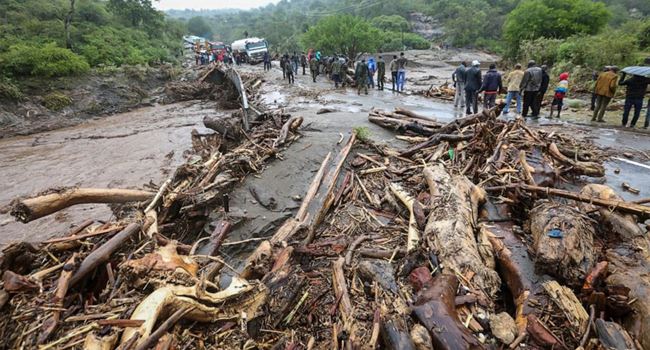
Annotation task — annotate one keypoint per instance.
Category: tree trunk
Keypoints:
(67, 24)
(30, 209)
(569, 257)
(451, 225)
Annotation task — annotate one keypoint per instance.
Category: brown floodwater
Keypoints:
(127, 150)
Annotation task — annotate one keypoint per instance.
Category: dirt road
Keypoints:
(131, 149)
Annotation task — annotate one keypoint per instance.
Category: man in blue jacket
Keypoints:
(492, 84)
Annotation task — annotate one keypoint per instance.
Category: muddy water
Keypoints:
(126, 150)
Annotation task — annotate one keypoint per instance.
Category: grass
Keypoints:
(363, 133)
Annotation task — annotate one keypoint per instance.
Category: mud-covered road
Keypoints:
(129, 150)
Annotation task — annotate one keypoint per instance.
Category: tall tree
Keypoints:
(199, 26)
(67, 24)
(343, 34)
(137, 12)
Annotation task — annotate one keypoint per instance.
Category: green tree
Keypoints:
(199, 26)
(135, 12)
(555, 19)
(343, 34)
(393, 23)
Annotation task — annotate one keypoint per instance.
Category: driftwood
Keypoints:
(450, 227)
(30, 209)
(435, 308)
(581, 168)
(104, 252)
(401, 126)
(642, 211)
(445, 133)
(290, 125)
(413, 240)
(228, 304)
(227, 126)
(569, 257)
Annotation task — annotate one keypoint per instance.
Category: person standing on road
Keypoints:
(343, 71)
(393, 72)
(636, 90)
(313, 68)
(381, 73)
(284, 75)
(530, 85)
(401, 72)
(289, 70)
(514, 81)
(605, 90)
(361, 77)
(336, 71)
(458, 77)
(294, 62)
(491, 86)
(560, 91)
(267, 61)
(543, 88)
(473, 83)
(372, 68)
(303, 63)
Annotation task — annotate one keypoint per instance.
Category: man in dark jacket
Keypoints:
(473, 83)
(303, 63)
(381, 73)
(636, 90)
(491, 86)
(458, 77)
(361, 77)
(530, 85)
(313, 68)
(542, 91)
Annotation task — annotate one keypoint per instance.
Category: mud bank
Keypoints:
(63, 102)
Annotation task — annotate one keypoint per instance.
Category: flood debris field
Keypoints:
(475, 233)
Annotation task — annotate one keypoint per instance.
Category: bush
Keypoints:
(541, 50)
(56, 101)
(47, 61)
(395, 41)
(10, 90)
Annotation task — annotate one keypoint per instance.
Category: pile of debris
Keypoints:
(468, 239)
(443, 92)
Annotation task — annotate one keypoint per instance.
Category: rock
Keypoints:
(421, 337)
(503, 327)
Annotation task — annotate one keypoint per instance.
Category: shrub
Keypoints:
(47, 61)
(10, 90)
(56, 101)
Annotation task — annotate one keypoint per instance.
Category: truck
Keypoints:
(253, 49)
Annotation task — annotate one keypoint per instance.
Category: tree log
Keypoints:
(450, 227)
(570, 257)
(227, 126)
(30, 209)
(581, 168)
(435, 308)
(617, 205)
(401, 126)
(454, 126)
(104, 252)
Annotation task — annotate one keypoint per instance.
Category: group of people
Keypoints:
(364, 73)
(605, 86)
(529, 86)
(204, 57)
(336, 67)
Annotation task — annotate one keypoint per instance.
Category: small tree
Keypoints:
(343, 34)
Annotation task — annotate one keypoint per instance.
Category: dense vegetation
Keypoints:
(65, 37)
(584, 32)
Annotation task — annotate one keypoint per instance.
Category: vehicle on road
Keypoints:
(253, 49)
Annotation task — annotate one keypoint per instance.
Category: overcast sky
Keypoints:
(211, 4)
